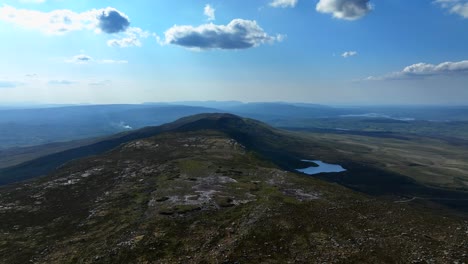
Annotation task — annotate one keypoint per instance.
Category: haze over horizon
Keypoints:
(327, 52)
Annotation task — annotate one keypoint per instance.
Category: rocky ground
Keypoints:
(202, 197)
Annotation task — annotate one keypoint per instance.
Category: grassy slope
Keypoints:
(15, 156)
(200, 197)
(429, 161)
(450, 130)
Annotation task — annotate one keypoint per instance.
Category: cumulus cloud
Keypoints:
(80, 59)
(85, 59)
(283, 3)
(423, 70)
(112, 21)
(131, 38)
(238, 34)
(59, 22)
(345, 9)
(130, 41)
(348, 54)
(459, 7)
(209, 12)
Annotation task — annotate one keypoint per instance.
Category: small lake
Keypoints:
(322, 168)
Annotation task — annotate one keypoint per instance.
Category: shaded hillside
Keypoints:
(14, 156)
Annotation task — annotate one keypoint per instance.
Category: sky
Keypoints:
(317, 51)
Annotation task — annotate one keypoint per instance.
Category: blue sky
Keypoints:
(327, 51)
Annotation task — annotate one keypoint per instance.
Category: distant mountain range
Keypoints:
(30, 127)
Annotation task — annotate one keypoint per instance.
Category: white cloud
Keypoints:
(56, 22)
(59, 22)
(459, 7)
(130, 41)
(345, 9)
(85, 59)
(238, 34)
(111, 20)
(209, 12)
(422, 70)
(131, 38)
(348, 54)
(283, 3)
(80, 59)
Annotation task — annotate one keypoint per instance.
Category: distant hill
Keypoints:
(43, 125)
(29, 127)
(269, 111)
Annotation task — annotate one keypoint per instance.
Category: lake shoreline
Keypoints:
(320, 167)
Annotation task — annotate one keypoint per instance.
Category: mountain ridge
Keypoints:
(283, 149)
(46, 164)
(200, 196)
